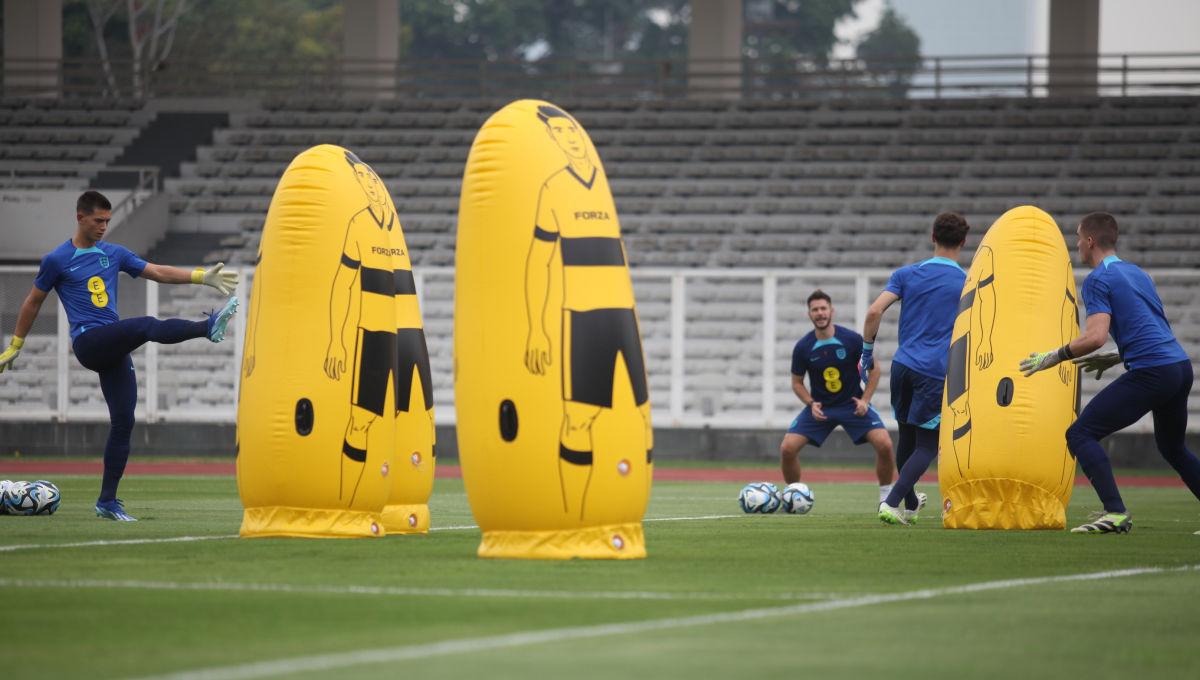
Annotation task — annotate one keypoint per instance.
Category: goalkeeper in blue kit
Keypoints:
(83, 271)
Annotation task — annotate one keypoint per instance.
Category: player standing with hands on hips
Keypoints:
(83, 270)
(1121, 299)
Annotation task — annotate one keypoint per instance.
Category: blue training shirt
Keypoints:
(831, 365)
(929, 290)
(86, 281)
(1139, 326)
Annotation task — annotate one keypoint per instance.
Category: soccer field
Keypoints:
(833, 594)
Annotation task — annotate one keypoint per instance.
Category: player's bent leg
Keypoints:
(885, 460)
(1170, 426)
(789, 456)
(922, 457)
(575, 455)
(1116, 407)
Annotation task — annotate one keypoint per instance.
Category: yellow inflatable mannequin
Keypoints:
(1003, 460)
(322, 376)
(554, 430)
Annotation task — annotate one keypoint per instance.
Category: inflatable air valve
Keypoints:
(1003, 460)
(552, 404)
(316, 417)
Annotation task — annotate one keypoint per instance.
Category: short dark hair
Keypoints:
(1102, 227)
(90, 201)
(546, 112)
(950, 229)
(819, 294)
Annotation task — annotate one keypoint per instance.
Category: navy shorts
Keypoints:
(916, 398)
(843, 414)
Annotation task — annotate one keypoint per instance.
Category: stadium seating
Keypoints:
(847, 184)
(62, 144)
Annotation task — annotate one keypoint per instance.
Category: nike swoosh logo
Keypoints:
(75, 267)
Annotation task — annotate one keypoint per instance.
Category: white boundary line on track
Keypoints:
(185, 539)
(399, 591)
(331, 662)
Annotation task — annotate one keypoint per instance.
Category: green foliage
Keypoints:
(794, 29)
(892, 52)
(263, 31)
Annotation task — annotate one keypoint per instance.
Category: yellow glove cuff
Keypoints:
(18, 342)
(198, 275)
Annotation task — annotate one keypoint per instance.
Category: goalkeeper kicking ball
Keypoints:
(19, 500)
(761, 497)
(796, 499)
(46, 497)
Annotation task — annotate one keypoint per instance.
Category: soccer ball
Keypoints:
(18, 499)
(46, 497)
(797, 499)
(760, 497)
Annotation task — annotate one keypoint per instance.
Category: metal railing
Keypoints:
(1022, 75)
(777, 306)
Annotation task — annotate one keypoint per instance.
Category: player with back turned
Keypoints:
(930, 290)
(83, 270)
(1121, 300)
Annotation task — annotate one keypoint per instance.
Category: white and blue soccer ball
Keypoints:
(796, 499)
(46, 497)
(761, 497)
(18, 499)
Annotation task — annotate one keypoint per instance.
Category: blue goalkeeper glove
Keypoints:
(868, 360)
(9, 355)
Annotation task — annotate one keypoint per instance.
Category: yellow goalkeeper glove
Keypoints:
(223, 281)
(9, 355)
(1098, 363)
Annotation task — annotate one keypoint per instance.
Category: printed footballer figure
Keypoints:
(374, 279)
(577, 217)
(980, 302)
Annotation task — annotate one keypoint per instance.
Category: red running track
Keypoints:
(32, 468)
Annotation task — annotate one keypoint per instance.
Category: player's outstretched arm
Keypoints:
(1092, 339)
(25, 318)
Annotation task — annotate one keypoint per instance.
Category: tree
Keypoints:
(892, 52)
(151, 35)
(800, 30)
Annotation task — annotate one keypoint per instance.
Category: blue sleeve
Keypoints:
(130, 263)
(47, 274)
(1095, 295)
(799, 359)
(895, 284)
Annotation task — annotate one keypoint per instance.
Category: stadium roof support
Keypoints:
(33, 45)
(371, 45)
(715, 49)
(1074, 46)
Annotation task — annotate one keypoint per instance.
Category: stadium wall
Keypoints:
(725, 445)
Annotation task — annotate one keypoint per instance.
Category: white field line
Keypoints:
(185, 539)
(332, 662)
(395, 591)
(130, 541)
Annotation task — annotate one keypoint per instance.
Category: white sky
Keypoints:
(960, 27)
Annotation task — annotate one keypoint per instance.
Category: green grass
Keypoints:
(74, 621)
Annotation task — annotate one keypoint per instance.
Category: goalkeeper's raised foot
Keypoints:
(218, 320)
